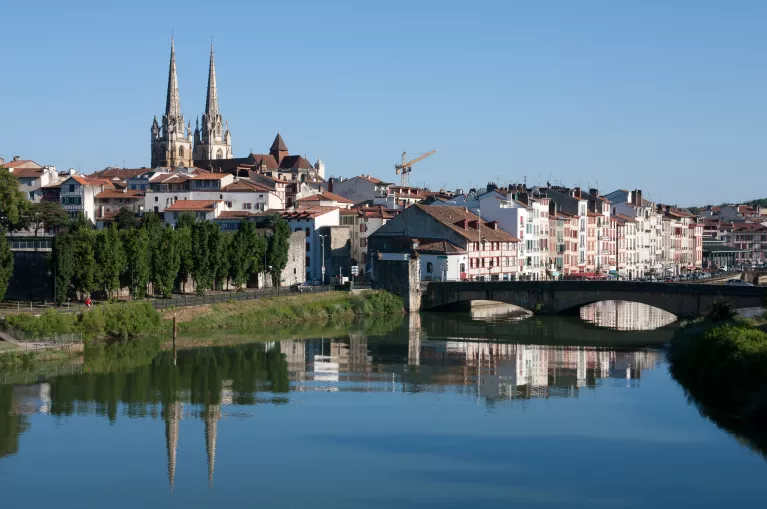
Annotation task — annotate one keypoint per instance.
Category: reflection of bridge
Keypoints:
(682, 300)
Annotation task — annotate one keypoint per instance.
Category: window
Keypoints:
(181, 152)
(363, 242)
(308, 247)
(308, 263)
(429, 267)
(462, 268)
(71, 188)
(308, 232)
(247, 206)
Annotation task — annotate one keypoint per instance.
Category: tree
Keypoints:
(126, 219)
(256, 251)
(239, 257)
(110, 259)
(185, 220)
(46, 215)
(168, 261)
(80, 223)
(63, 266)
(13, 205)
(223, 259)
(186, 263)
(136, 274)
(6, 264)
(153, 226)
(85, 274)
(277, 250)
(201, 255)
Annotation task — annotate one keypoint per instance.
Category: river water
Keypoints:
(480, 409)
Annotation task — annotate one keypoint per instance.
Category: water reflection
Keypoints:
(625, 316)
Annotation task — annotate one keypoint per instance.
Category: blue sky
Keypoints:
(668, 97)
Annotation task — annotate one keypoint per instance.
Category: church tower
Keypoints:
(172, 141)
(213, 141)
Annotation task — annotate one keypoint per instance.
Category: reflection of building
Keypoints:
(623, 315)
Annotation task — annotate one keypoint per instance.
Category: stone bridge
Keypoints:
(682, 300)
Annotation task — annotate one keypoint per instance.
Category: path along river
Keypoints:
(443, 411)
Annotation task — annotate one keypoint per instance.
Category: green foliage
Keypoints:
(63, 266)
(725, 367)
(80, 223)
(117, 321)
(13, 205)
(126, 219)
(46, 215)
(6, 263)
(376, 303)
(224, 259)
(721, 311)
(205, 250)
(239, 256)
(85, 276)
(185, 220)
(154, 228)
(110, 259)
(277, 250)
(186, 262)
(168, 261)
(136, 274)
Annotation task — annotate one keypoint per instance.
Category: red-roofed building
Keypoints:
(203, 210)
(364, 221)
(109, 202)
(752, 239)
(78, 195)
(326, 199)
(363, 188)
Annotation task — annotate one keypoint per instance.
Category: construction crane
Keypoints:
(404, 169)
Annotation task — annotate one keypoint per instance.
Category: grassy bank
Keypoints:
(298, 310)
(107, 321)
(723, 364)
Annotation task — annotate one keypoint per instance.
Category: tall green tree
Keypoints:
(136, 274)
(110, 259)
(239, 257)
(85, 277)
(6, 264)
(153, 226)
(63, 266)
(186, 262)
(80, 223)
(46, 215)
(126, 219)
(277, 249)
(185, 220)
(168, 261)
(256, 251)
(13, 205)
(224, 259)
(201, 257)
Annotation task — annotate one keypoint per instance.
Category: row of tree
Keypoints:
(164, 259)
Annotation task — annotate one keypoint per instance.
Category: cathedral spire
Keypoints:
(211, 102)
(172, 103)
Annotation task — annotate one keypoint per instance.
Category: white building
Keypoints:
(359, 189)
(32, 177)
(203, 210)
(310, 220)
(78, 195)
(364, 221)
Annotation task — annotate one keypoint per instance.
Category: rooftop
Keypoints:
(194, 205)
(451, 217)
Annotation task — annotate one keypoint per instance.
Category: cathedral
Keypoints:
(173, 143)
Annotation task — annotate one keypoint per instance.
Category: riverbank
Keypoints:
(723, 365)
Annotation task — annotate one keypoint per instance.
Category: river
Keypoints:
(484, 409)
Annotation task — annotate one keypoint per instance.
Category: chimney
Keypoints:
(594, 192)
(415, 244)
(16, 158)
(494, 225)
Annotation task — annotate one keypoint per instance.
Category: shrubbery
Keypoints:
(117, 321)
(725, 367)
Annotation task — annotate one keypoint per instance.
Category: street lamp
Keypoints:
(322, 240)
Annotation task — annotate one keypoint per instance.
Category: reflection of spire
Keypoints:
(212, 415)
(172, 418)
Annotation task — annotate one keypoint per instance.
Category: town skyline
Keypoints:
(567, 93)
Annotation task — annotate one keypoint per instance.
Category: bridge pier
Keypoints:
(401, 277)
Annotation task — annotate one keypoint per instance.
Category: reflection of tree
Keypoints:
(12, 425)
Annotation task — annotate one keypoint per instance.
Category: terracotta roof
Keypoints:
(751, 227)
(371, 179)
(300, 213)
(119, 173)
(15, 164)
(27, 172)
(117, 193)
(326, 196)
(430, 246)
(229, 214)
(450, 216)
(246, 186)
(623, 218)
(278, 144)
(194, 205)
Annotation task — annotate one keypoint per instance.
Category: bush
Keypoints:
(116, 321)
(721, 311)
(725, 367)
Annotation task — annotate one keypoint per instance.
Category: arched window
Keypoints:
(181, 152)
(219, 154)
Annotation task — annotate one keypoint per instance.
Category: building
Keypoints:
(32, 177)
(78, 195)
(310, 220)
(109, 202)
(213, 140)
(326, 199)
(750, 239)
(202, 210)
(359, 189)
(490, 251)
(172, 140)
(364, 221)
